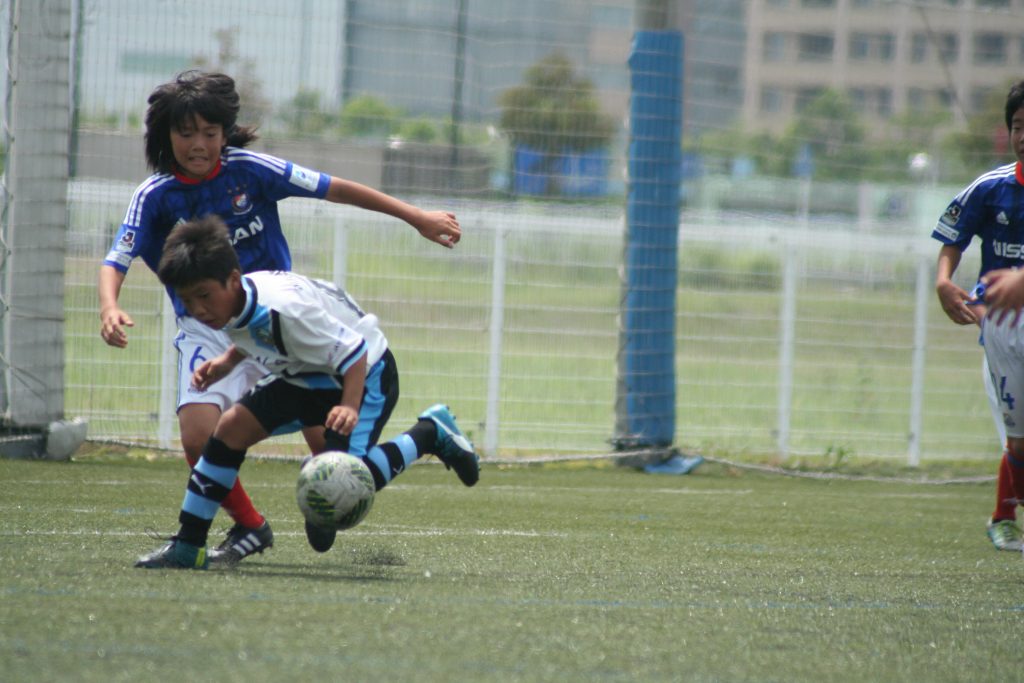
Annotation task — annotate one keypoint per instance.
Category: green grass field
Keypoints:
(537, 574)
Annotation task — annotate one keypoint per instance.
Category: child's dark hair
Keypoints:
(197, 250)
(1014, 101)
(174, 106)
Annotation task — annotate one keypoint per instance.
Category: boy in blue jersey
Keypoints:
(330, 370)
(992, 209)
(197, 150)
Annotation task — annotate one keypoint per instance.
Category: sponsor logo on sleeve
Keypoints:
(123, 260)
(127, 242)
(952, 215)
(304, 178)
(951, 234)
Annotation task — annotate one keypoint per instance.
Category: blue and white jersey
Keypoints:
(307, 331)
(992, 207)
(243, 190)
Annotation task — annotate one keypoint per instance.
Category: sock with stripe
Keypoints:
(237, 503)
(211, 480)
(387, 460)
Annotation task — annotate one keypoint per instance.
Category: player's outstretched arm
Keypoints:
(1004, 292)
(113, 319)
(437, 226)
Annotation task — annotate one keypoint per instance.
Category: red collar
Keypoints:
(216, 169)
(1019, 172)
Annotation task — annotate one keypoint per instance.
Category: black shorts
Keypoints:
(275, 403)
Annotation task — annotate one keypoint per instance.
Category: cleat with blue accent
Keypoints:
(452, 448)
(320, 538)
(175, 555)
(241, 542)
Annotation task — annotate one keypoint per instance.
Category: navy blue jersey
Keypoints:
(992, 207)
(243, 190)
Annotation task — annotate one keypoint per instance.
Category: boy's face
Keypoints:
(197, 146)
(1017, 134)
(212, 303)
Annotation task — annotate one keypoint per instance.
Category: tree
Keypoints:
(985, 144)
(555, 110)
(366, 116)
(418, 130)
(304, 116)
(830, 128)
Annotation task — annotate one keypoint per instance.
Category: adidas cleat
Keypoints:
(175, 555)
(242, 542)
(320, 538)
(452, 448)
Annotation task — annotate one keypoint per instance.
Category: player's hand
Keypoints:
(208, 373)
(1004, 294)
(342, 419)
(952, 299)
(112, 323)
(439, 226)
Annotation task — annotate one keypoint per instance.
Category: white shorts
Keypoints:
(1004, 351)
(197, 343)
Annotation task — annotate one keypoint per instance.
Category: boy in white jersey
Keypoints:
(197, 149)
(329, 365)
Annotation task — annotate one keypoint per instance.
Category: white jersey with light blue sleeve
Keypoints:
(306, 331)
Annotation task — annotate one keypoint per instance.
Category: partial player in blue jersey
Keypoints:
(991, 209)
(196, 147)
(330, 369)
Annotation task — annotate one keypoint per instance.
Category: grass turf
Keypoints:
(537, 574)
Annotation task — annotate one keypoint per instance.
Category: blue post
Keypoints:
(645, 405)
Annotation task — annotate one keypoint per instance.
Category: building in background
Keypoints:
(889, 57)
(715, 34)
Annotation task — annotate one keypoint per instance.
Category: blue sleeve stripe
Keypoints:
(360, 351)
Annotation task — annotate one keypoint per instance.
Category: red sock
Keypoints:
(1006, 507)
(238, 504)
(1015, 467)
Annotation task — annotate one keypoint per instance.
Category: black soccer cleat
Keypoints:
(241, 542)
(452, 448)
(320, 538)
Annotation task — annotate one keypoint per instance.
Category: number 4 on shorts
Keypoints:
(1005, 397)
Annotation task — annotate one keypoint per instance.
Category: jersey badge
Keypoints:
(127, 241)
(952, 215)
(262, 336)
(1001, 218)
(241, 204)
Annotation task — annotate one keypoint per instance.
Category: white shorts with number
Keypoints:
(1004, 351)
(197, 343)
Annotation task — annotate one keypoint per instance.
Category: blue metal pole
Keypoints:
(646, 402)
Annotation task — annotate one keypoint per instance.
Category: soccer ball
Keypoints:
(335, 490)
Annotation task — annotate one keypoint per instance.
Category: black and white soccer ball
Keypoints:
(335, 490)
